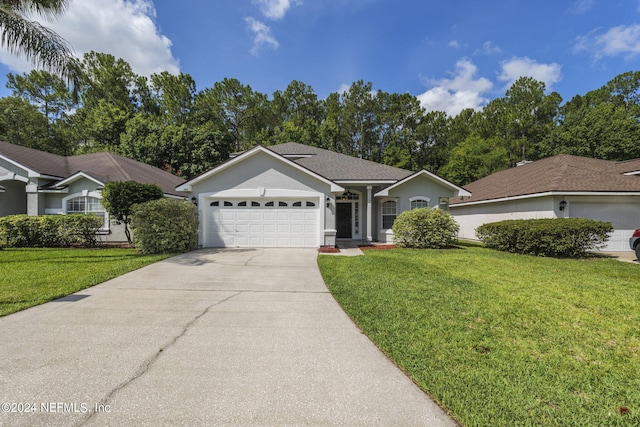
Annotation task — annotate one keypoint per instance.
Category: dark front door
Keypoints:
(343, 220)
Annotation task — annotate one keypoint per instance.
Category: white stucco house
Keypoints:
(294, 195)
(35, 182)
(561, 186)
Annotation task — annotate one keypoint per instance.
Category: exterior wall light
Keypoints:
(563, 204)
(194, 200)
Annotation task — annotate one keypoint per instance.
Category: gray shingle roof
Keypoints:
(36, 160)
(561, 173)
(336, 166)
(105, 167)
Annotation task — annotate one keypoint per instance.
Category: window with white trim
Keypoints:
(389, 213)
(419, 202)
(87, 205)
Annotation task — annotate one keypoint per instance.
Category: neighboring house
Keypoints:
(301, 196)
(34, 182)
(561, 186)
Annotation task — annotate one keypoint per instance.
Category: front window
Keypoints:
(87, 205)
(419, 203)
(388, 214)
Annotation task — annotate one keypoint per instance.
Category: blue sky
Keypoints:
(450, 54)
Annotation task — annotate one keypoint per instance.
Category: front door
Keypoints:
(343, 220)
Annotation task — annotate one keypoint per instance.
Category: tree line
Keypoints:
(163, 120)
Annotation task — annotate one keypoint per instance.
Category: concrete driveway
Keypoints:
(213, 337)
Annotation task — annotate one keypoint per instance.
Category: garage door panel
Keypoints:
(269, 228)
(226, 215)
(255, 228)
(255, 225)
(297, 215)
(269, 215)
(283, 215)
(625, 218)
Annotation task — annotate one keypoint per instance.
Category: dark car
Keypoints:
(634, 242)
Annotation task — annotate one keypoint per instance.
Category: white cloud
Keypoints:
(580, 7)
(276, 9)
(454, 44)
(261, 35)
(462, 90)
(488, 48)
(344, 88)
(123, 28)
(515, 68)
(622, 40)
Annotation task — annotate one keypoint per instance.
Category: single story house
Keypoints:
(561, 186)
(294, 195)
(35, 182)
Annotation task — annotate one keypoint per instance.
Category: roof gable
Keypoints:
(424, 173)
(187, 186)
(76, 176)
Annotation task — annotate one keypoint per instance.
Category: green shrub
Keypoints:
(164, 225)
(554, 237)
(425, 228)
(119, 197)
(49, 230)
(16, 231)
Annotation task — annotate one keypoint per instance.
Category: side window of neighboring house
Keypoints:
(389, 213)
(419, 202)
(87, 205)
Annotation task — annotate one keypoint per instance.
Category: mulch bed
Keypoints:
(328, 250)
(377, 247)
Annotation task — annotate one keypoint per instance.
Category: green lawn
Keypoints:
(30, 277)
(501, 339)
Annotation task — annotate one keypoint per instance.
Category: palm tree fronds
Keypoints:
(40, 45)
(46, 8)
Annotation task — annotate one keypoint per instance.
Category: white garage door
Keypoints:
(262, 223)
(625, 218)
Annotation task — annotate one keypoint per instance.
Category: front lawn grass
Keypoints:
(30, 277)
(501, 339)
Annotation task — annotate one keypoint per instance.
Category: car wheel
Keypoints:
(638, 251)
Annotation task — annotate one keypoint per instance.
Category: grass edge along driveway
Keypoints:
(30, 277)
(500, 339)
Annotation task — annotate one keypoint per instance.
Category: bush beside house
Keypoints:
(425, 228)
(554, 237)
(118, 198)
(164, 225)
(49, 230)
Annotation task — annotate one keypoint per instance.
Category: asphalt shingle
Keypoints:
(336, 166)
(563, 173)
(105, 167)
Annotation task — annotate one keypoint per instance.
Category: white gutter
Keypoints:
(549, 193)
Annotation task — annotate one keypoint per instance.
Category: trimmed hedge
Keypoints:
(164, 226)
(553, 237)
(425, 228)
(49, 230)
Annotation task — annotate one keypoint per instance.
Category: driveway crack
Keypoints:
(255, 256)
(144, 368)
